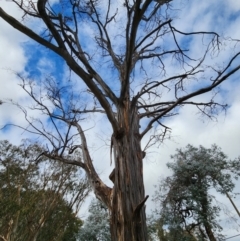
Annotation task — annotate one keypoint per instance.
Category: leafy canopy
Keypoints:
(184, 198)
(38, 202)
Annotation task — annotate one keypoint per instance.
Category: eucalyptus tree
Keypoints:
(38, 202)
(158, 231)
(137, 70)
(96, 226)
(186, 199)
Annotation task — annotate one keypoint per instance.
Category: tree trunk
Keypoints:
(128, 219)
(209, 232)
(206, 224)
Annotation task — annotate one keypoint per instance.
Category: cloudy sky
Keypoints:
(17, 56)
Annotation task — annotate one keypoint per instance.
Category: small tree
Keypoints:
(38, 202)
(186, 204)
(158, 231)
(96, 226)
(137, 69)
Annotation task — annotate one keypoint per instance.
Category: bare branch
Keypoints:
(157, 29)
(62, 159)
(89, 111)
(180, 100)
(23, 29)
(41, 9)
(102, 191)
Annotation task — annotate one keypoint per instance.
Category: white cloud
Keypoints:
(12, 60)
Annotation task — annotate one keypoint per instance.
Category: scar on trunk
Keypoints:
(119, 133)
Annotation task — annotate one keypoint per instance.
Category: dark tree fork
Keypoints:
(145, 23)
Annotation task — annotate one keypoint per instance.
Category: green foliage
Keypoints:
(158, 231)
(188, 210)
(38, 202)
(96, 227)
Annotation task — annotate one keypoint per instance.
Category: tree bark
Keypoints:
(128, 219)
(207, 227)
(209, 232)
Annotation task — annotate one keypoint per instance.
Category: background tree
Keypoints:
(151, 74)
(96, 226)
(187, 206)
(38, 202)
(158, 231)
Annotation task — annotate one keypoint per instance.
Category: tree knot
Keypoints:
(119, 133)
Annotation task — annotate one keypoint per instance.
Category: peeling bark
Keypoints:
(128, 211)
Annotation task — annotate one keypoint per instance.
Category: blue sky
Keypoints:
(19, 54)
